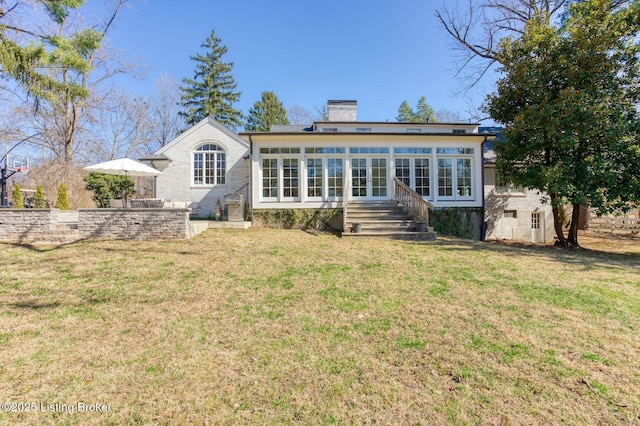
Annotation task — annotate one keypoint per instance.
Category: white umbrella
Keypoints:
(124, 166)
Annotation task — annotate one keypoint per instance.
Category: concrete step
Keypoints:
(414, 236)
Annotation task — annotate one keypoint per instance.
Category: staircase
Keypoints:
(383, 219)
(65, 231)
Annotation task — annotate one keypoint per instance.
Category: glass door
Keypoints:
(369, 178)
(359, 178)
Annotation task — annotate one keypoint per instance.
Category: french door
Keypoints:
(369, 178)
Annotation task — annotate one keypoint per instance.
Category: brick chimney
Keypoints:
(342, 110)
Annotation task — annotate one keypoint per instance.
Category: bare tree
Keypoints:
(299, 115)
(477, 28)
(448, 116)
(165, 104)
(120, 127)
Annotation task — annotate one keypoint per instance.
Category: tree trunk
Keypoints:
(557, 222)
(572, 240)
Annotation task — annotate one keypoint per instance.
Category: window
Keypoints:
(513, 214)
(455, 151)
(459, 131)
(410, 130)
(504, 187)
(209, 165)
(421, 171)
(403, 170)
(329, 150)
(463, 167)
(330, 129)
(270, 177)
(363, 129)
(314, 177)
(368, 150)
(279, 150)
(445, 177)
(535, 220)
(455, 173)
(335, 177)
(290, 177)
(413, 150)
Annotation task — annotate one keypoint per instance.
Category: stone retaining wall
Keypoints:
(137, 224)
(26, 225)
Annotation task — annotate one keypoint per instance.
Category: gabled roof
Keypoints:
(209, 121)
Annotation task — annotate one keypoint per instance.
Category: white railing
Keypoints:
(417, 206)
(346, 192)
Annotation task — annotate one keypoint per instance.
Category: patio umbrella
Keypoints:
(124, 166)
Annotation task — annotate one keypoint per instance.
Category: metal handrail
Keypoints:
(418, 206)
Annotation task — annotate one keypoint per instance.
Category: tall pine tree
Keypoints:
(265, 113)
(212, 90)
(423, 113)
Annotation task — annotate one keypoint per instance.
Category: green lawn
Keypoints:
(287, 327)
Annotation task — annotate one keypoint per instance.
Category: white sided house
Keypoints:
(344, 164)
(332, 162)
(202, 166)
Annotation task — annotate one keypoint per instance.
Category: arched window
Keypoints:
(209, 165)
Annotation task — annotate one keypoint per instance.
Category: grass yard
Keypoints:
(286, 327)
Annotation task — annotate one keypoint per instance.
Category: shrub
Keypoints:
(16, 197)
(107, 187)
(62, 201)
(39, 202)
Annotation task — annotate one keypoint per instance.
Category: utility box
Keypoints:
(235, 207)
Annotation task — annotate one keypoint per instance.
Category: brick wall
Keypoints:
(137, 224)
(26, 225)
(175, 184)
(508, 216)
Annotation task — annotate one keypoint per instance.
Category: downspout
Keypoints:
(483, 226)
(251, 179)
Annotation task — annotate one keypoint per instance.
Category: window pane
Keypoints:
(335, 178)
(403, 170)
(422, 176)
(463, 170)
(445, 177)
(269, 178)
(221, 168)
(379, 177)
(314, 177)
(197, 169)
(290, 177)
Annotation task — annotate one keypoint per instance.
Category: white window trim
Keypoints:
(412, 170)
(195, 151)
(280, 176)
(454, 177)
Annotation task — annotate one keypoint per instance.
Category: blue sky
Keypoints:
(376, 52)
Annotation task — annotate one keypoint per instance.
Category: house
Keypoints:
(310, 168)
(201, 167)
(340, 162)
(510, 212)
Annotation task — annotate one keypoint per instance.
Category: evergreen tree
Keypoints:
(405, 113)
(16, 197)
(212, 90)
(26, 55)
(39, 202)
(62, 201)
(423, 113)
(265, 113)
